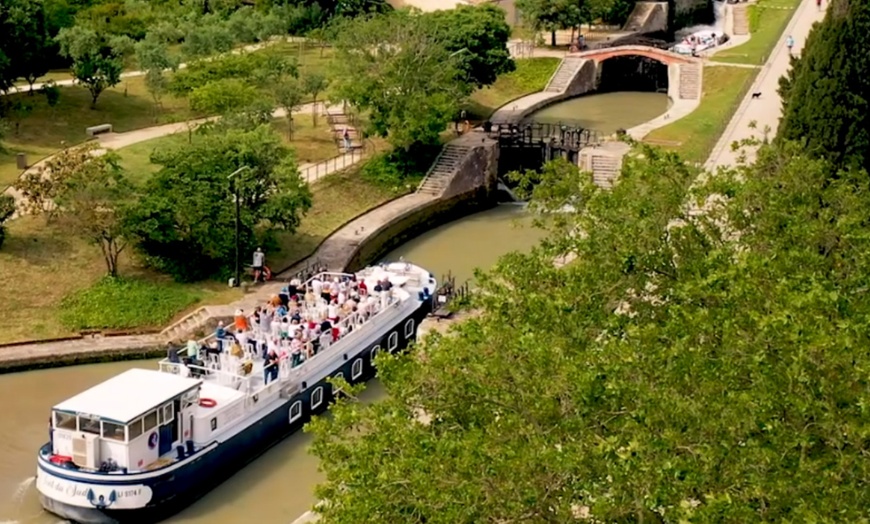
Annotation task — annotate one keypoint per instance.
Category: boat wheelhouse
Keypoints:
(145, 443)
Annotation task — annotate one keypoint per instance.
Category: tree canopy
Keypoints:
(410, 71)
(826, 94)
(684, 367)
(185, 222)
(478, 34)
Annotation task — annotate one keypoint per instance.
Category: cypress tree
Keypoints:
(826, 95)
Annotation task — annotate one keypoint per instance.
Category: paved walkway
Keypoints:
(765, 110)
(311, 172)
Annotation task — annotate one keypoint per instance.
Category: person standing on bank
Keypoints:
(259, 263)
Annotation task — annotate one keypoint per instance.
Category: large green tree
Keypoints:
(97, 59)
(478, 35)
(683, 368)
(826, 94)
(24, 40)
(185, 223)
(93, 201)
(394, 68)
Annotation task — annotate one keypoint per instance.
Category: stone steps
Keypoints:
(442, 169)
(605, 169)
(690, 81)
(740, 16)
(566, 71)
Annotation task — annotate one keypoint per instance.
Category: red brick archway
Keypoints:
(665, 57)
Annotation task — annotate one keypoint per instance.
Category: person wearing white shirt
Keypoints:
(316, 287)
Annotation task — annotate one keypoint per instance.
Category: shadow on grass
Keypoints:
(38, 248)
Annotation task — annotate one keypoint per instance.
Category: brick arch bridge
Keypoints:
(684, 72)
(666, 57)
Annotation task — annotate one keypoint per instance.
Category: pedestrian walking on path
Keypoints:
(789, 43)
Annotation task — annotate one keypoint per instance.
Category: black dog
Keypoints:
(756, 95)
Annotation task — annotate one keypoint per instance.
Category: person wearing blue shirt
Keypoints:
(220, 334)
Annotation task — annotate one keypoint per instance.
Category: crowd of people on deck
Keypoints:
(296, 324)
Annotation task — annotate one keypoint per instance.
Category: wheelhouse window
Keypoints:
(150, 420)
(89, 424)
(375, 353)
(168, 415)
(64, 420)
(393, 341)
(357, 369)
(409, 328)
(114, 431)
(134, 430)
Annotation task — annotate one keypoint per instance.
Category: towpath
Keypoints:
(765, 110)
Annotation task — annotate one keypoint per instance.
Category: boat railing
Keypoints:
(213, 369)
(324, 275)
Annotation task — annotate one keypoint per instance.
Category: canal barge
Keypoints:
(146, 443)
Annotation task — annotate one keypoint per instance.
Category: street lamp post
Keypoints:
(232, 176)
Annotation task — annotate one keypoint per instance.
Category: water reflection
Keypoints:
(605, 112)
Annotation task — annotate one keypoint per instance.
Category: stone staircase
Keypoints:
(561, 79)
(740, 15)
(196, 324)
(442, 169)
(339, 121)
(690, 81)
(605, 169)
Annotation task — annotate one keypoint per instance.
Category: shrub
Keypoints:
(116, 303)
(400, 168)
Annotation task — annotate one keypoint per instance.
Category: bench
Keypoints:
(96, 130)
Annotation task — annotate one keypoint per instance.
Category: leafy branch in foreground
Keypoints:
(670, 373)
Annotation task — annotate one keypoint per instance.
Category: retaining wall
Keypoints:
(472, 189)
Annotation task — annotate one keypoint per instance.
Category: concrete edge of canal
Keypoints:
(13, 363)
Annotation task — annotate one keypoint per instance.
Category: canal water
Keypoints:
(605, 112)
(277, 487)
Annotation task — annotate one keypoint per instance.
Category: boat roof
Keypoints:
(124, 397)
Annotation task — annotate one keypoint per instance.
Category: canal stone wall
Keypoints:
(471, 188)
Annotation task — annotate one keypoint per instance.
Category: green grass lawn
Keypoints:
(530, 76)
(311, 144)
(45, 272)
(695, 135)
(44, 130)
(767, 21)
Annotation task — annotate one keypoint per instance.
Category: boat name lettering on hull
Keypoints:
(93, 495)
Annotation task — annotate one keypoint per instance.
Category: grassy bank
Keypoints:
(45, 271)
(54, 283)
(695, 135)
(767, 21)
(336, 200)
(530, 76)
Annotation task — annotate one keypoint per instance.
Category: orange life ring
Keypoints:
(207, 402)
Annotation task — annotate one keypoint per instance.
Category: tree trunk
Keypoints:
(314, 110)
(553, 38)
(289, 126)
(94, 95)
